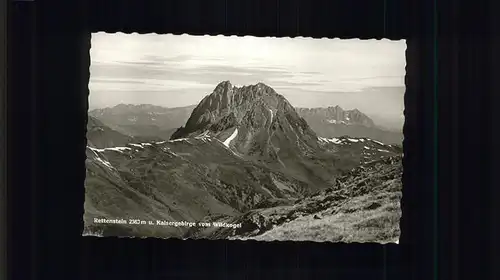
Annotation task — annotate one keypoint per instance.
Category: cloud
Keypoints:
(175, 69)
(136, 85)
(211, 74)
(110, 81)
(207, 75)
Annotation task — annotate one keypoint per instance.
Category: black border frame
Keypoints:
(3, 166)
(52, 53)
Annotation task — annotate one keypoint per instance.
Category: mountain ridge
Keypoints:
(336, 114)
(261, 125)
(330, 121)
(143, 120)
(243, 153)
(337, 122)
(101, 136)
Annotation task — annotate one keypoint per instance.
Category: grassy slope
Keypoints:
(360, 219)
(362, 207)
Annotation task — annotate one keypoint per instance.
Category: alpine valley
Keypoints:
(243, 156)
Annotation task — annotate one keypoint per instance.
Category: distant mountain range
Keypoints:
(240, 149)
(101, 136)
(155, 121)
(336, 122)
(143, 120)
(336, 115)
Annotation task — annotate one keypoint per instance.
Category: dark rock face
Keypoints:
(254, 110)
(248, 105)
(261, 125)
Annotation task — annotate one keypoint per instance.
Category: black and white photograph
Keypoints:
(241, 137)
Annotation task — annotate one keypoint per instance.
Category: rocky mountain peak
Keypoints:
(230, 106)
(255, 122)
(223, 90)
(223, 84)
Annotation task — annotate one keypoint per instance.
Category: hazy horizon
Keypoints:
(179, 70)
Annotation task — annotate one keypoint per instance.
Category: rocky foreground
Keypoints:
(363, 206)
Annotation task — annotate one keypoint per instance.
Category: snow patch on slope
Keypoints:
(136, 145)
(116, 149)
(177, 140)
(230, 138)
(336, 121)
(205, 137)
(105, 162)
(330, 140)
(99, 159)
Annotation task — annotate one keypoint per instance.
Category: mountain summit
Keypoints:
(230, 106)
(251, 116)
(257, 124)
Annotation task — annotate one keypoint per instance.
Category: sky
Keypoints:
(179, 70)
